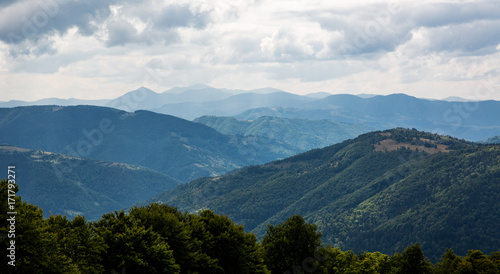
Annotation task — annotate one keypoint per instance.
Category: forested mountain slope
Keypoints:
(71, 186)
(176, 147)
(381, 191)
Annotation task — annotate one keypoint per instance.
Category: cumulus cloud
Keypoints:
(120, 20)
(33, 19)
(327, 45)
(466, 26)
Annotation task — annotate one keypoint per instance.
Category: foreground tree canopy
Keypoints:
(159, 239)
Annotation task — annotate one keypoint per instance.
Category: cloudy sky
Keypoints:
(95, 49)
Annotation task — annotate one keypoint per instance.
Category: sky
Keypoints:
(101, 49)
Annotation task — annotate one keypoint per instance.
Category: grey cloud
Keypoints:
(441, 14)
(370, 29)
(470, 38)
(37, 48)
(122, 32)
(181, 16)
(5, 3)
(31, 20)
(162, 24)
(382, 28)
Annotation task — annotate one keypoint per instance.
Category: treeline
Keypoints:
(160, 239)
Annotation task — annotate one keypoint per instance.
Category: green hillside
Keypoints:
(72, 186)
(301, 134)
(379, 192)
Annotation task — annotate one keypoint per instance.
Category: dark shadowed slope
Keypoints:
(181, 149)
(71, 186)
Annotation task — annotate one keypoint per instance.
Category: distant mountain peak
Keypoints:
(143, 89)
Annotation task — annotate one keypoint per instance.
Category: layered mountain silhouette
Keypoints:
(301, 134)
(471, 120)
(176, 147)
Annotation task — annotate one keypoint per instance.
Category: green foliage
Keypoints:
(336, 261)
(290, 244)
(448, 263)
(152, 239)
(36, 246)
(76, 240)
(132, 247)
(413, 261)
(160, 239)
(234, 250)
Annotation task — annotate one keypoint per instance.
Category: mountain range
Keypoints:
(71, 186)
(380, 191)
(471, 120)
(301, 134)
(175, 147)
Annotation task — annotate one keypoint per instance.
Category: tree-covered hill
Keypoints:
(176, 147)
(301, 134)
(381, 191)
(161, 239)
(71, 186)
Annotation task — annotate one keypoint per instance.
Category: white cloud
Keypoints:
(89, 48)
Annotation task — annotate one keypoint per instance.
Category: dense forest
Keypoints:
(160, 239)
(381, 191)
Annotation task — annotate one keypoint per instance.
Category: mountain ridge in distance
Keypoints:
(299, 133)
(471, 120)
(378, 192)
(176, 147)
(232, 105)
